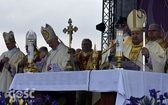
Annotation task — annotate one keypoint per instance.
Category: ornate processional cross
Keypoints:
(70, 30)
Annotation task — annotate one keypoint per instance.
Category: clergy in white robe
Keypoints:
(57, 57)
(7, 59)
(155, 59)
(56, 60)
(155, 56)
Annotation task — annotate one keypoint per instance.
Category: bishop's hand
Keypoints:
(145, 52)
(23, 61)
(5, 59)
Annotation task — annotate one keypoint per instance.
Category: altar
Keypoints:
(125, 83)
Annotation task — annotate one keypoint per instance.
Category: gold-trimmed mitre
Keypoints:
(47, 32)
(9, 37)
(136, 19)
(33, 35)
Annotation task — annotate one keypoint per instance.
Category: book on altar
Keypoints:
(126, 64)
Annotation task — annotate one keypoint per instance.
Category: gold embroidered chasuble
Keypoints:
(134, 53)
(86, 61)
(157, 56)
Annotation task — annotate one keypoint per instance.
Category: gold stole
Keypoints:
(128, 41)
(162, 43)
(134, 53)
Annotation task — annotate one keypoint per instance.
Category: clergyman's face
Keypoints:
(137, 37)
(86, 46)
(53, 43)
(153, 33)
(10, 45)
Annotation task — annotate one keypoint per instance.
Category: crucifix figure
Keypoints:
(70, 30)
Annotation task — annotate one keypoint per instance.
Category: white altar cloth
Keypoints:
(55, 81)
(125, 82)
(128, 83)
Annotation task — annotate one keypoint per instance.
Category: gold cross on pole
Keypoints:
(70, 30)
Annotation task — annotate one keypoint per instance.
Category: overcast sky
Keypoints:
(21, 16)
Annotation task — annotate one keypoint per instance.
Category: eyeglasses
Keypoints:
(153, 30)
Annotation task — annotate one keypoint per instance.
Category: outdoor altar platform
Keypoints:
(124, 83)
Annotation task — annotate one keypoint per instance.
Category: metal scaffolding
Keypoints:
(112, 9)
(108, 17)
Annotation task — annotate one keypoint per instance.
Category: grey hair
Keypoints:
(156, 25)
